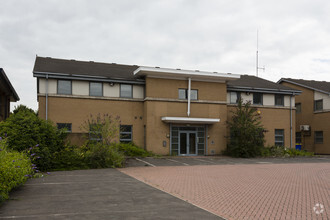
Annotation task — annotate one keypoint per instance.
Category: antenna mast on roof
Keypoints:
(257, 64)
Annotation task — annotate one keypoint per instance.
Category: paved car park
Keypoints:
(95, 194)
(181, 188)
(219, 160)
(264, 188)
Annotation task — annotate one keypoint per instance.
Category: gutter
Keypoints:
(85, 78)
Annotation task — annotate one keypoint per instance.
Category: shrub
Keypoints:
(69, 158)
(246, 132)
(279, 151)
(15, 168)
(131, 150)
(99, 155)
(25, 129)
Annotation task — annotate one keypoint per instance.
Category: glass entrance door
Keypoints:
(188, 143)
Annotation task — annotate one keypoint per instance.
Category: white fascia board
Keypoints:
(154, 71)
(190, 120)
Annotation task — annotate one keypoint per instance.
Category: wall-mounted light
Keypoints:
(111, 84)
(168, 135)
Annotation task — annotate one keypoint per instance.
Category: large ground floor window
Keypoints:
(188, 140)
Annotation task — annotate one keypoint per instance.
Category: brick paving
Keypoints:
(246, 191)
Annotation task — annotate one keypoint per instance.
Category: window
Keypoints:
(126, 133)
(298, 108)
(95, 89)
(318, 105)
(318, 135)
(64, 87)
(234, 97)
(67, 126)
(126, 91)
(279, 137)
(257, 98)
(298, 137)
(183, 94)
(95, 132)
(279, 100)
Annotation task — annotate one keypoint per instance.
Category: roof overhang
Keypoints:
(50, 75)
(263, 90)
(302, 85)
(185, 120)
(8, 87)
(184, 74)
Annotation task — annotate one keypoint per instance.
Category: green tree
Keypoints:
(246, 132)
(25, 131)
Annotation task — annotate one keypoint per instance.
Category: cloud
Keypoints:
(189, 34)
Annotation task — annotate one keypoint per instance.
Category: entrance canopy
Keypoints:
(190, 120)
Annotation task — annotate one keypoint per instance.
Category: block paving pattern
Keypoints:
(252, 191)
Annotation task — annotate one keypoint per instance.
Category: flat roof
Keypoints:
(184, 74)
(190, 120)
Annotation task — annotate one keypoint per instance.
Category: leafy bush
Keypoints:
(131, 150)
(99, 155)
(279, 151)
(246, 132)
(25, 129)
(69, 158)
(15, 168)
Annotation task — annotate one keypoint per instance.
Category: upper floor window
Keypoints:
(67, 126)
(126, 133)
(126, 91)
(95, 89)
(257, 98)
(279, 137)
(318, 137)
(279, 100)
(234, 97)
(318, 105)
(183, 94)
(298, 137)
(64, 87)
(298, 107)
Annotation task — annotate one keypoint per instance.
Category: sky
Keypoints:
(206, 35)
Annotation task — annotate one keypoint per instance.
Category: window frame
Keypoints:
(282, 135)
(261, 98)
(91, 90)
(298, 136)
(66, 81)
(125, 140)
(315, 104)
(69, 130)
(316, 137)
(296, 105)
(238, 97)
(186, 94)
(120, 93)
(282, 98)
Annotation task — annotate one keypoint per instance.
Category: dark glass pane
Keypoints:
(298, 107)
(279, 100)
(95, 89)
(126, 91)
(64, 87)
(182, 94)
(183, 143)
(193, 94)
(318, 105)
(125, 128)
(257, 98)
(192, 143)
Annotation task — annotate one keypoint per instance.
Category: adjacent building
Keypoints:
(312, 114)
(7, 95)
(167, 111)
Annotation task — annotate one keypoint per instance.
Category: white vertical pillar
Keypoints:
(189, 88)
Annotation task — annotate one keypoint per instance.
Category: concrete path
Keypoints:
(95, 194)
(247, 189)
